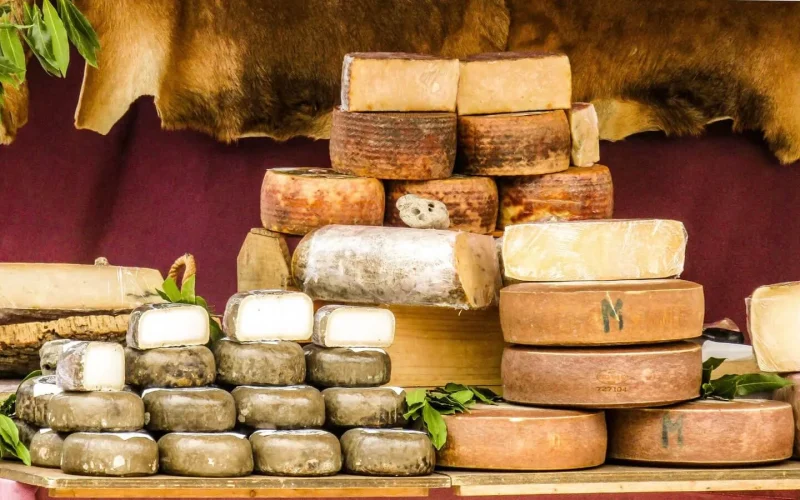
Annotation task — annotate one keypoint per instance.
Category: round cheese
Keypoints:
(49, 354)
(205, 454)
(260, 363)
(542, 439)
(574, 194)
(191, 366)
(33, 396)
(45, 448)
(602, 377)
(347, 366)
(791, 395)
(471, 201)
(292, 407)
(95, 411)
(387, 452)
(201, 409)
(705, 432)
(308, 452)
(601, 312)
(109, 454)
(364, 407)
(26, 431)
(297, 200)
(513, 144)
(393, 145)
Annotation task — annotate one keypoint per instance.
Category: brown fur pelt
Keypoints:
(14, 108)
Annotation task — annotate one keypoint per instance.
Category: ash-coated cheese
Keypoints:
(395, 81)
(471, 201)
(168, 325)
(703, 433)
(387, 452)
(393, 145)
(773, 319)
(574, 194)
(26, 431)
(297, 200)
(601, 312)
(46, 447)
(791, 395)
(287, 408)
(594, 250)
(507, 437)
(259, 363)
(508, 82)
(91, 366)
(126, 454)
(347, 366)
(353, 326)
(513, 144)
(33, 396)
(585, 132)
(269, 315)
(619, 377)
(114, 411)
(197, 409)
(191, 366)
(357, 264)
(198, 454)
(306, 452)
(49, 354)
(350, 407)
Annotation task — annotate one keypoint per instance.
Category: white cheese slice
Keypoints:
(353, 326)
(773, 317)
(91, 366)
(269, 315)
(168, 325)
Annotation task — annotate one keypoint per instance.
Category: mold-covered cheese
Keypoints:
(46, 447)
(307, 452)
(585, 133)
(205, 454)
(168, 325)
(291, 407)
(353, 326)
(49, 354)
(191, 366)
(773, 318)
(126, 454)
(387, 452)
(259, 363)
(91, 366)
(198, 409)
(114, 411)
(269, 315)
(33, 396)
(364, 407)
(347, 366)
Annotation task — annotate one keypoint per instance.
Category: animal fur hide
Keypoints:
(14, 108)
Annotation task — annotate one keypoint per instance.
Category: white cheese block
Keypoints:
(269, 315)
(306, 452)
(585, 133)
(594, 250)
(168, 325)
(109, 454)
(773, 318)
(91, 366)
(353, 326)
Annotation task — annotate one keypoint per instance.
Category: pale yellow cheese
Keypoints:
(773, 317)
(585, 134)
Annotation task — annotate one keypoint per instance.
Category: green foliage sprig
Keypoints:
(10, 445)
(733, 386)
(186, 295)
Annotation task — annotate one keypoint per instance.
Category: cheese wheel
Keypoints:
(126, 454)
(199, 409)
(95, 411)
(260, 363)
(543, 439)
(347, 366)
(292, 407)
(205, 454)
(49, 354)
(471, 201)
(346, 408)
(585, 132)
(353, 326)
(774, 326)
(297, 200)
(45, 448)
(191, 366)
(601, 312)
(91, 366)
(393, 145)
(33, 396)
(602, 377)
(268, 315)
(705, 432)
(594, 250)
(574, 194)
(387, 452)
(307, 452)
(168, 325)
(26, 431)
(513, 144)
(791, 395)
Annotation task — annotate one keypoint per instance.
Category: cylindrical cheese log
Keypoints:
(297, 200)
(191, 366)
(200, 409)
(471, 201)
(260, 363)
(91, 366)
(46, 447)
(353, 326)
(168, 325)
(364, 407)
(574, 194)
(49, 354)
(601, 312)
(387, 452)
(705, 432)
(507, 437)
(307, 452)
(292, 407)
(109, 454)
(394, 145)
(95, 411)
(791, 395)
(602, 377)
(513, 144)
(774, 325)
(398, 266)
(33, 396)
(347, 366)
(205, 454)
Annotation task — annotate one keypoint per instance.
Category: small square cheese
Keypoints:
(269, 315)
(91, 366)
(168, 325)
(773, 317)
(585, 133)
(353, 326)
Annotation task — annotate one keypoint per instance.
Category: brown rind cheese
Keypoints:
(346, 408)
(205, 454)
(109, 454)
(200, 409)
(703, 433)
(260, 363)
(616, 377)
(507, 437)
(394, 145)
(347, 367)
(285, 408)
(46, 447)
(110, 411)
(307, 452)
(574, 194)
(601, 312)
(191, 366)
(471, 201)
(387, 452)
(513, 144)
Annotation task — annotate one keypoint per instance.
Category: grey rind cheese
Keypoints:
(364, 407)
(191, 366)
(95, 411)
(387, 452)
(26, 431)
(293, 407)
(205, 455)
(46, 447)
(308, 452)
(109, 454)
(49, 354)
(33, 395)
(260, 363)
(168, 325)
(91, 366)
(201, 409)
(347, 367)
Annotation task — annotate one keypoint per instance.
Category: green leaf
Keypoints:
(415, 397)
(5, 9)
(462, 396)
(9, 406)
(171, 290)
(58, 37)
(80, 31)
(709, 366)
(11, 49)
(760, 382)
(200, 301)
(163, 295)
(23, 454)
(216, 332)
(38, 39)
(486, 396)
(436, 427)
(9, 441)
(187, 290)
(413, 410)
(450, 387)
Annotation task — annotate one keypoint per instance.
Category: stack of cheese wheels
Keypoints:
(348, 361)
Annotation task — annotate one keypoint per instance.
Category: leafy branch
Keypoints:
(9, 406)
(186, 295)
(732, 386)
(10, 445)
